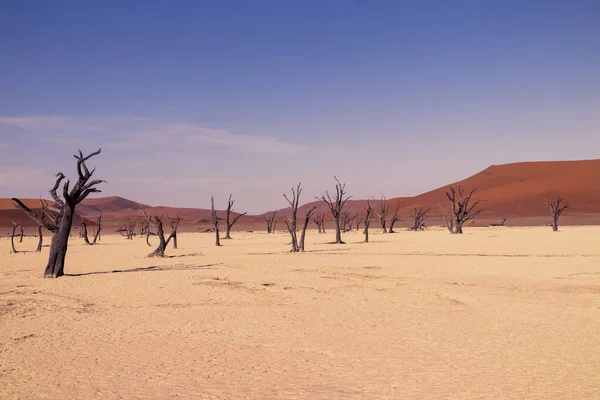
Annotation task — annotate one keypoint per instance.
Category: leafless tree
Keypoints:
(462, 211)
(144, 226)
(128, 229)
(502, 223)
(291, 221)
(97, 229)
(61, 226)
(359, 220)
(160, 233)
(16, 225)
(83, 231)
(270, 220)
(320, 221)
(382, 213)
(229, 223)
(174, 223)
(22, 231)
(347, 220)
(394, 219)
(419, 215)
(368, 217)
(557, 206)
(215, 220)
(336, 204)
(448, 218)
(305, 226)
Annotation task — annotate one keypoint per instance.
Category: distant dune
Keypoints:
(514, 191)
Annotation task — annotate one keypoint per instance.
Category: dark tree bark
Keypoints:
(291, 222)
(83, 232)
(215, 220)
(228, 222)
(306, 221)
(60, 226)
(160, 233)
(144, 228)
(394, 219)
(12, 236)
(448, 219)
(382, 214)
(462, 211)
(40, 238)
(174, 222)
(368, 217)
(22, 229)
(270, 220)
(319, 219)
(359, 220)
(335, 204)
(128, 229)
(98, 229)
(556, 209)
(419, 215)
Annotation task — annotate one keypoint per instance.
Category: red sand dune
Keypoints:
(514, 191)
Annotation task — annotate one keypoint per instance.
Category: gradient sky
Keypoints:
(190, 99)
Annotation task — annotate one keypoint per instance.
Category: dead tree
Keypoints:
(359, 220)
(336, 206)
(144, 228)
(174, 222)
(347, 221)
(320, 221)
(162, 242)
(12, 236)
(368, 217)
(97, 229)
(419, 215)
(215, 220)
(83, 232)
(502, 223)
(128, 229)
(304, 227)
(556, 209)
(270, 220)
(290, 223)
(462, 211)
(229, 223)
(22, 231)
(394, 219)
(382, 214)
(65, 208)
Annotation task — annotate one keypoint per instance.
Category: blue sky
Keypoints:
(190, 99)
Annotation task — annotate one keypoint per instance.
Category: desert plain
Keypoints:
(496, 313)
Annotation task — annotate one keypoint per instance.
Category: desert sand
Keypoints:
(496, 313)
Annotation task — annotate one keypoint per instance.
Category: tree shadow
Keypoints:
(177, 267)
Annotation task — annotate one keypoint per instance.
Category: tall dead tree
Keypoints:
(335, 204)
(368, 217)
(305, 226)
(270, 220)
(462, 211)
(290, 223)
(174, 223)
(382, 213)
(16, 225)
(61, 225)
(160, 233)
(319, 219)
(215, 220)
(394, 219)
(229, 223)
(557, 206)
(419, 215)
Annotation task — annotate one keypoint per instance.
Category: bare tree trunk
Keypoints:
(306, 221)
(557, 207)
(12, 236)
(270, 220)
(174, 226)
(215, 219)
(98, 229)
(368, 217)
(336, 205)
(461, 210)
(84, 233)
(40, 239)
(291, 224)
(228, 223)
(59, 244)
(22, 232)
(382, 214)
(162, 244)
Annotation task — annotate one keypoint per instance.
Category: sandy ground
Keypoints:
(497, 313)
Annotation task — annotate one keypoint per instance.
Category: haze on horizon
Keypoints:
(190, 99)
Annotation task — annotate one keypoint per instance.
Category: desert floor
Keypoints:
(497, 313)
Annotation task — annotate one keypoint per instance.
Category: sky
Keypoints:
(192, 99)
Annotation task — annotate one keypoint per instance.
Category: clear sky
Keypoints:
(190, 99)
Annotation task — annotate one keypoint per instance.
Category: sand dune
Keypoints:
(505, 313)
